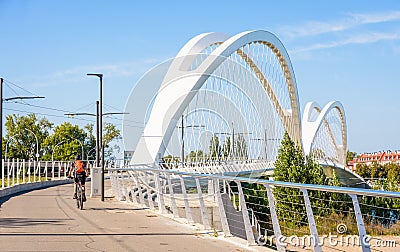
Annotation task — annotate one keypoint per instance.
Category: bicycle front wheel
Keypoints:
(79, 202)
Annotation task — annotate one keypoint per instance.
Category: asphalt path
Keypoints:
(48, 220)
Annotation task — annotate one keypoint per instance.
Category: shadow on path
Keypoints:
(24, 222)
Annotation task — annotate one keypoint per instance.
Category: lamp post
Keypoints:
(83, 157)
(182, 137)
(100, 130)
(97, 148)
(5, 154)
(90, 151)
(37, 144)
(52, 151)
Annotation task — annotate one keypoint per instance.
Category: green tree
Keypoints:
(195, 156)
(90, 141)
(226, 149)
(22, 131)
(65, 142)
(291, 166)
(214, 148)
(110, 133)
(363, 170)
(240, 147)
(350, 155)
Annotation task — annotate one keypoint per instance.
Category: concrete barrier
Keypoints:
(31, 186)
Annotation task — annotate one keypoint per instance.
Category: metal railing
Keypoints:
(276, 214)
(16, 171)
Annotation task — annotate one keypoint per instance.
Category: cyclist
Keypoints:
(80, 173)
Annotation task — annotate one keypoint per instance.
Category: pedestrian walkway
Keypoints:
(48, 220)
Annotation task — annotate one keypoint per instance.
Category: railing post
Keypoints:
(274, 217)
(66, 165)
(245, 213)
(160, 194)
(221, 208)
(2, 172)
(131, 191)
(203, 209)
(119, 184)
(38, 167)
(23, 171)
(124, 190)
(311, 221)
(8, 172)
(18, 171)
(172, 197)
(13, 172)
(362, 234)
(186, 201)
(52, 170)
(139, 187)
(58, 170)
(148, 189)
(34, 171)
(45, 171)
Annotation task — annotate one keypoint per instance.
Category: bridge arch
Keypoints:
(328, 125)
(184, 79)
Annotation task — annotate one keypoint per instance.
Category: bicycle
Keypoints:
(79, 195)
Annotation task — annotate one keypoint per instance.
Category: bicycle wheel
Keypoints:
(81, 199)
(78, 196)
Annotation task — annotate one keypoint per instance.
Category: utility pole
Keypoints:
(97, 135)
(100, 76)
(1, 110)
(183, 144)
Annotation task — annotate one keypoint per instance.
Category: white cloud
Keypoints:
(366, 38)
(77, 74)
(354, 20)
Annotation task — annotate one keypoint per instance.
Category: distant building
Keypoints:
(382, 157)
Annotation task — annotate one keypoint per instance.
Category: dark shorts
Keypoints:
(80, 177)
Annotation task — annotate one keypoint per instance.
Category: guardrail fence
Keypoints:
(279, 215)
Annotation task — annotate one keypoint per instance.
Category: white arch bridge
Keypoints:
(223, 104)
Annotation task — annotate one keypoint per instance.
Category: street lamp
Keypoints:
(100, 130)
(37, 145)
(5, 154)
(90, 151)
(182, 137)
(52, 151)
(79, 141)
(97, 126)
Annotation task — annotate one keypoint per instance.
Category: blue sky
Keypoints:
(340, 50)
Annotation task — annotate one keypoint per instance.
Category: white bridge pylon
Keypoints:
(241, 94)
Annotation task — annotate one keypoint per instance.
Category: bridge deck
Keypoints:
(48, 220)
